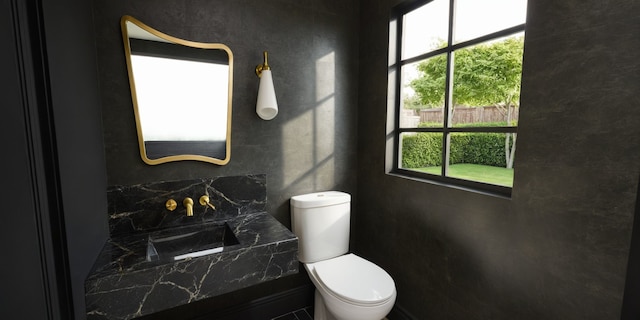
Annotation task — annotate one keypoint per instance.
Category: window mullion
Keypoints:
(399, 24)
(448, 91)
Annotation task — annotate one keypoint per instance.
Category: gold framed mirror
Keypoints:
(181, 92)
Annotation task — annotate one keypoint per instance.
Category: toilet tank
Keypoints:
(321, 221)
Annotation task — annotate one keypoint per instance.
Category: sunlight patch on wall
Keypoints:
(297, 144)
(325, 77)
(309, 138)
(325, 119)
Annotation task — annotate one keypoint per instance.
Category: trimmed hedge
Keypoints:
(421, 150)
(425, 149)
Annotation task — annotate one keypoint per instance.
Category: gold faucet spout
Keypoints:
(188, 203)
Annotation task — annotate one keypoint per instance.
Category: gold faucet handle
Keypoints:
(204, 201)
(171, 205)
(188, 203)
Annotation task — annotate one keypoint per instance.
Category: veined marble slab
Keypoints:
(124, 285)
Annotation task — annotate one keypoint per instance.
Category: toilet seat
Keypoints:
(355, 280)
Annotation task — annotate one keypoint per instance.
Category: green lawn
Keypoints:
(475, 172)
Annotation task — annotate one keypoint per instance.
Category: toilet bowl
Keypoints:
(351, 288)
(348, 287)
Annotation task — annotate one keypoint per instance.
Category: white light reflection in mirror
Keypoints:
(166, 106)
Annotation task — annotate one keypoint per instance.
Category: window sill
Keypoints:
(478, 188)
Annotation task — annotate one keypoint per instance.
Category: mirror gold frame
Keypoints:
(170, 39)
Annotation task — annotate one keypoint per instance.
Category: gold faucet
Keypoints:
(171, 204)
(188, 203)
(204, 201)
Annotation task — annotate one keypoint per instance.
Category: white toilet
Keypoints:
(347, 287)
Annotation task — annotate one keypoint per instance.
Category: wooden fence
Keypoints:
(467, 114)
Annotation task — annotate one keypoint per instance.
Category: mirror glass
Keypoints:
(181, 93)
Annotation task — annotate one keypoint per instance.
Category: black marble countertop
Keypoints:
(124, 285)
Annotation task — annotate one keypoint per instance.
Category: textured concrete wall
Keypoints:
(558, 248)
(312, 46)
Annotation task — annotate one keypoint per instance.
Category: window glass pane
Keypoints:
(486, 83)
(425, 28)
(475, 18)
(423, 93)
(421, 151)
(482, 157)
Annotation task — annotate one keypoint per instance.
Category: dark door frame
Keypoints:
(630, 305)
(34, 220)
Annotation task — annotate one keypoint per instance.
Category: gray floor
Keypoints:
(302, 314)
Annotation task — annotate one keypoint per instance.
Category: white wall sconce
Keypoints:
(267, 106)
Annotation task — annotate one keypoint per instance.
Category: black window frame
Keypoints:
(395, 71)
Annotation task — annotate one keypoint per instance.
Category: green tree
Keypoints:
(483, 75)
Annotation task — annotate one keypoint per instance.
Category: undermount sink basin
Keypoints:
(189, 242)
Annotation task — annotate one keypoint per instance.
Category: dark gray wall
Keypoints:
(311, 144)
(313, 47)
(558, 248)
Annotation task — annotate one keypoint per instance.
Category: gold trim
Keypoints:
(264, 66)
(204, 201)
(201, 45)
(188, 204)
(171, 204)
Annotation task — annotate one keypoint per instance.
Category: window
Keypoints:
(455, 70)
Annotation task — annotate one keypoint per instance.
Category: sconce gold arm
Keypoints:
(204, 201)
(188, 203)
(264, 66)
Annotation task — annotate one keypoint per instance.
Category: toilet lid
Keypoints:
(355, 279)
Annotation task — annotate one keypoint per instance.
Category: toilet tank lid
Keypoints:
(320, 199)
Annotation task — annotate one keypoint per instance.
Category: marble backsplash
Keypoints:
(141, 208)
